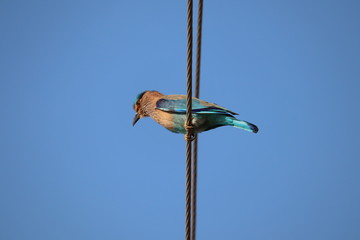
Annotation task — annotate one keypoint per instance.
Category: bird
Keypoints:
(170, 112)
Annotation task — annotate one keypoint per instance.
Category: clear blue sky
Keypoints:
(73, 167)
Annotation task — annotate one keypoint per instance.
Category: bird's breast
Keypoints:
(175, 121)
(171, 121)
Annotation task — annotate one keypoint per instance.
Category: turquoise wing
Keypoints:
(177, 104)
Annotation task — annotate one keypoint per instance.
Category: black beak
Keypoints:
(136, 118)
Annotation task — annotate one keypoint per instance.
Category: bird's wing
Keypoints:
(177, 104)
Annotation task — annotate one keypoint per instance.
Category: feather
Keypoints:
(241, 124)
(177, 104)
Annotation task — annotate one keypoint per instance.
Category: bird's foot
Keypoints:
(190, 135)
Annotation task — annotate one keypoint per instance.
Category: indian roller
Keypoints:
(170, 112)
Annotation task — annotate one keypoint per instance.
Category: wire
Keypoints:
(195, 143)
(188, 124)
(198, 49)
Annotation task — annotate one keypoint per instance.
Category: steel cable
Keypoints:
(188, 124)
(195, 143)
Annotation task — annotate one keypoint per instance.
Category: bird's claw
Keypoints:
(190, 135)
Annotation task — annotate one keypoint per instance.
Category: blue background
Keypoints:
(73, 167)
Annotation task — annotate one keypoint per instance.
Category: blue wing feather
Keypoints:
(177, 104)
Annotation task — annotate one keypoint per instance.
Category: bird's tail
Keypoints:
(242, 124)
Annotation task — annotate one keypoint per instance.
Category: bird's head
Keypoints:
(139, 107)
(143, 104)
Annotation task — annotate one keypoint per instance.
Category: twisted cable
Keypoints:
(195, 143)
(188, 124)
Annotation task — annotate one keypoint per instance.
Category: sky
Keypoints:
(73, 167)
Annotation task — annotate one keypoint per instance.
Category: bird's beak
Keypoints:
(136, 118)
